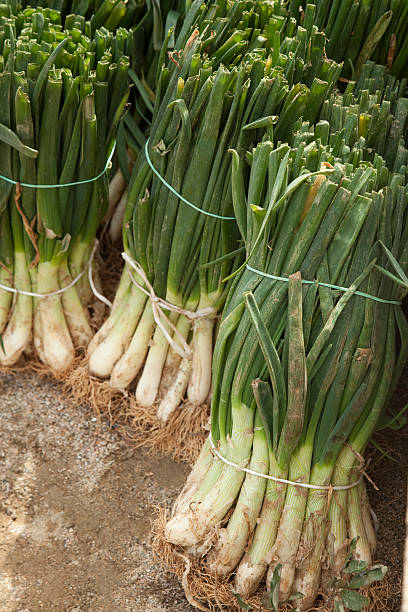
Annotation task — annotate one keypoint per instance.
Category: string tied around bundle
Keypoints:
(181, 346)
(176, 193)
(285, 279)
(30, 232)
(60, 185)
(305, 485)
(88, 267)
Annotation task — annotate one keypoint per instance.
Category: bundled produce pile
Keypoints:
(345, 397)
(376, 111)
(359, 30)
(144, 24)
(371, 115)
(62, 97)
(181, 249)
(261, 197)
(320, 295)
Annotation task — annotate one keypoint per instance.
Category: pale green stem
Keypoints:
(127, 367)
(200, 383)
(233, 540)
(110, 323)
(175, 377)
(175, 391)
(37, 325)
(191, 527)
(149, 382)
(254, 564)
(6, 298)
(105, 354)
(338, 532)
(122, 290)
(76, 316)
(58, 348)
(313, 538)
(367, 518)
(18, 332)
(291, 524)
(357, 527)
(78, 261)
(195, 478)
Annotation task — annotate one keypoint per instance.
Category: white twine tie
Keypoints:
(67, 287)
(159, 304)
(304, 485)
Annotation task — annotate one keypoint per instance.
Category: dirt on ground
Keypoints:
(76, 503)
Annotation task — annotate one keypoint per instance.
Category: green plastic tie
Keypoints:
(328, 285)
(91, 180)
(170, 188)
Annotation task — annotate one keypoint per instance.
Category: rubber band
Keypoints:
(170, 188)
(159, 304)
(304, 485)
(67, 287)
(73, 184)
(328, 285)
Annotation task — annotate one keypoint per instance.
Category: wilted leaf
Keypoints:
(270, 599)
(375, 573)
(372, 40)
(355, 566)
(275, 584)
(353, 600)
(352, 548)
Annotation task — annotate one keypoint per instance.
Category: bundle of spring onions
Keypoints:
(241, 68)
(372, 112)
(359, 30)
(388, 128)
(62, 96)
(302, 372)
